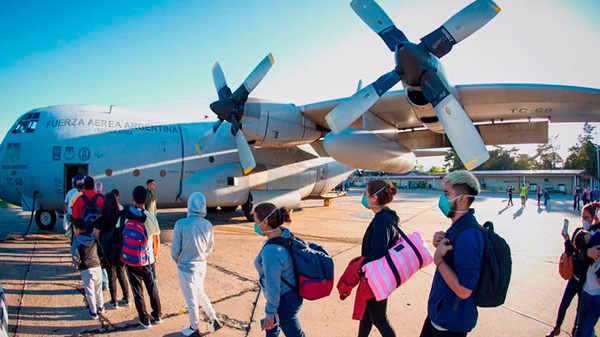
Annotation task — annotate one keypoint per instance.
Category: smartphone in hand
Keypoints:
(565, 229)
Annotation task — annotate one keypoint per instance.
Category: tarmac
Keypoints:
(45, 295)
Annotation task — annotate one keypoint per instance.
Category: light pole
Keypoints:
(597, 165)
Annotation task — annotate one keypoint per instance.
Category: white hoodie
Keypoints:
(193, 237)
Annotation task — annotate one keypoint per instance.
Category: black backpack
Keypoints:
(90, 212)
(496, 268)
(112, 243)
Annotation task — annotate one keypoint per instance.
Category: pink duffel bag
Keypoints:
(400, 262)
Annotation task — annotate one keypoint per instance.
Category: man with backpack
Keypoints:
(452, 306)
(139, 226)
(88, 205)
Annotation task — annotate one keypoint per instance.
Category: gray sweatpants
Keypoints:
(92, 284)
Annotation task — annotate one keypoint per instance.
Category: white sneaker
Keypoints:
(188, 331)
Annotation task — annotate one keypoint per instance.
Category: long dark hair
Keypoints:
(110, 209)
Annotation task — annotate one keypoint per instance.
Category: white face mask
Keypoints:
(586, 225)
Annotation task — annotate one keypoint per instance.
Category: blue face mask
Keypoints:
(445, 205)
(364, 201)
(257, 230)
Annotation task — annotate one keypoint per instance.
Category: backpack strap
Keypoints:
(393, 221)
(287, 243)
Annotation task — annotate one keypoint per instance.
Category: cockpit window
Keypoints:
(27, 123)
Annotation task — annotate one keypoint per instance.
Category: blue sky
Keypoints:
(157, 55)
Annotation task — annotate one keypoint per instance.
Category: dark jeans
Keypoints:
(576, 202)
(510, 202)
(571, 290)
(376, 314)
(289, 305)
(114, 273)
(588, 314)
(429, 331)
(138, 277)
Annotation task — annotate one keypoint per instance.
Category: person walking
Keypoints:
(108, 219)
(510, 193)
(139, 226)
(523, 195)
(576, 198)
(539, 194)
(378, 238)
(193, 240)
(274, 264)
(451, 309)
(77, 184)
(151, 202)
(546, 197)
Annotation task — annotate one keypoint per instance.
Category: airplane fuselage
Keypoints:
(124, 148)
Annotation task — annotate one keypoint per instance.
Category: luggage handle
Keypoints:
(419, 257)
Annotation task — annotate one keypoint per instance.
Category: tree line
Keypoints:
(582, 156)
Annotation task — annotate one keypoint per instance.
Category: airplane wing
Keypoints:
(485, 103)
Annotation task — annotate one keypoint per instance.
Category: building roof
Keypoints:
(528, 173)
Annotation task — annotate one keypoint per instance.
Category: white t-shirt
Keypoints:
(68, 198)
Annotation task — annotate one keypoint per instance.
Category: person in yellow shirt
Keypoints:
(523, 195)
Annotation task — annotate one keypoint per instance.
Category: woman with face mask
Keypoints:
(580, 266)
(379, 237)
(273, 264)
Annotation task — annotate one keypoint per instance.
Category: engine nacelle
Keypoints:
(423, 110)
(277, 125)
(366, 150)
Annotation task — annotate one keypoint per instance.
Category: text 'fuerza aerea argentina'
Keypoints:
(110, 124)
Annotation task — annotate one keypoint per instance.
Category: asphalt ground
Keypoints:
(45, 295)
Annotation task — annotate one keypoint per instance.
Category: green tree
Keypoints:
(547, 157)
(452, 162)
(436, 170)
(500, 159)
(582, 156)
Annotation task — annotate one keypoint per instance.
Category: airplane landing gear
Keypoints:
(46, 220)
(247, 208)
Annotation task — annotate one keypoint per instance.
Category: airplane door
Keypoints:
(70, 171)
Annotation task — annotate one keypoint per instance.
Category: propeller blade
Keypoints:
(220, 83)
(376, 18)
(347, 112)
(457, 125)
(244, 151)
(207, 138)
(460, 26)
(241, 94)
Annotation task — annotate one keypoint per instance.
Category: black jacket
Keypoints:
(380, 236)
(85, 251)
(104, 224)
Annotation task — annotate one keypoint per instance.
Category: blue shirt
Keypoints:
(272, 263)
(445, 309)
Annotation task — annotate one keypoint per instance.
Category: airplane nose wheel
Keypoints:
(46, 220)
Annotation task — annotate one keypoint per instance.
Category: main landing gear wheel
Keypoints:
(45, 220)
(247, 208)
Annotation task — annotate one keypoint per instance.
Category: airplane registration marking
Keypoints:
(526, 110)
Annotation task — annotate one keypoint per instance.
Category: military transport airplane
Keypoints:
(264, 151)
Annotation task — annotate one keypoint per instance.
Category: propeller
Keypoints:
(417, 66)
(230, 107)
